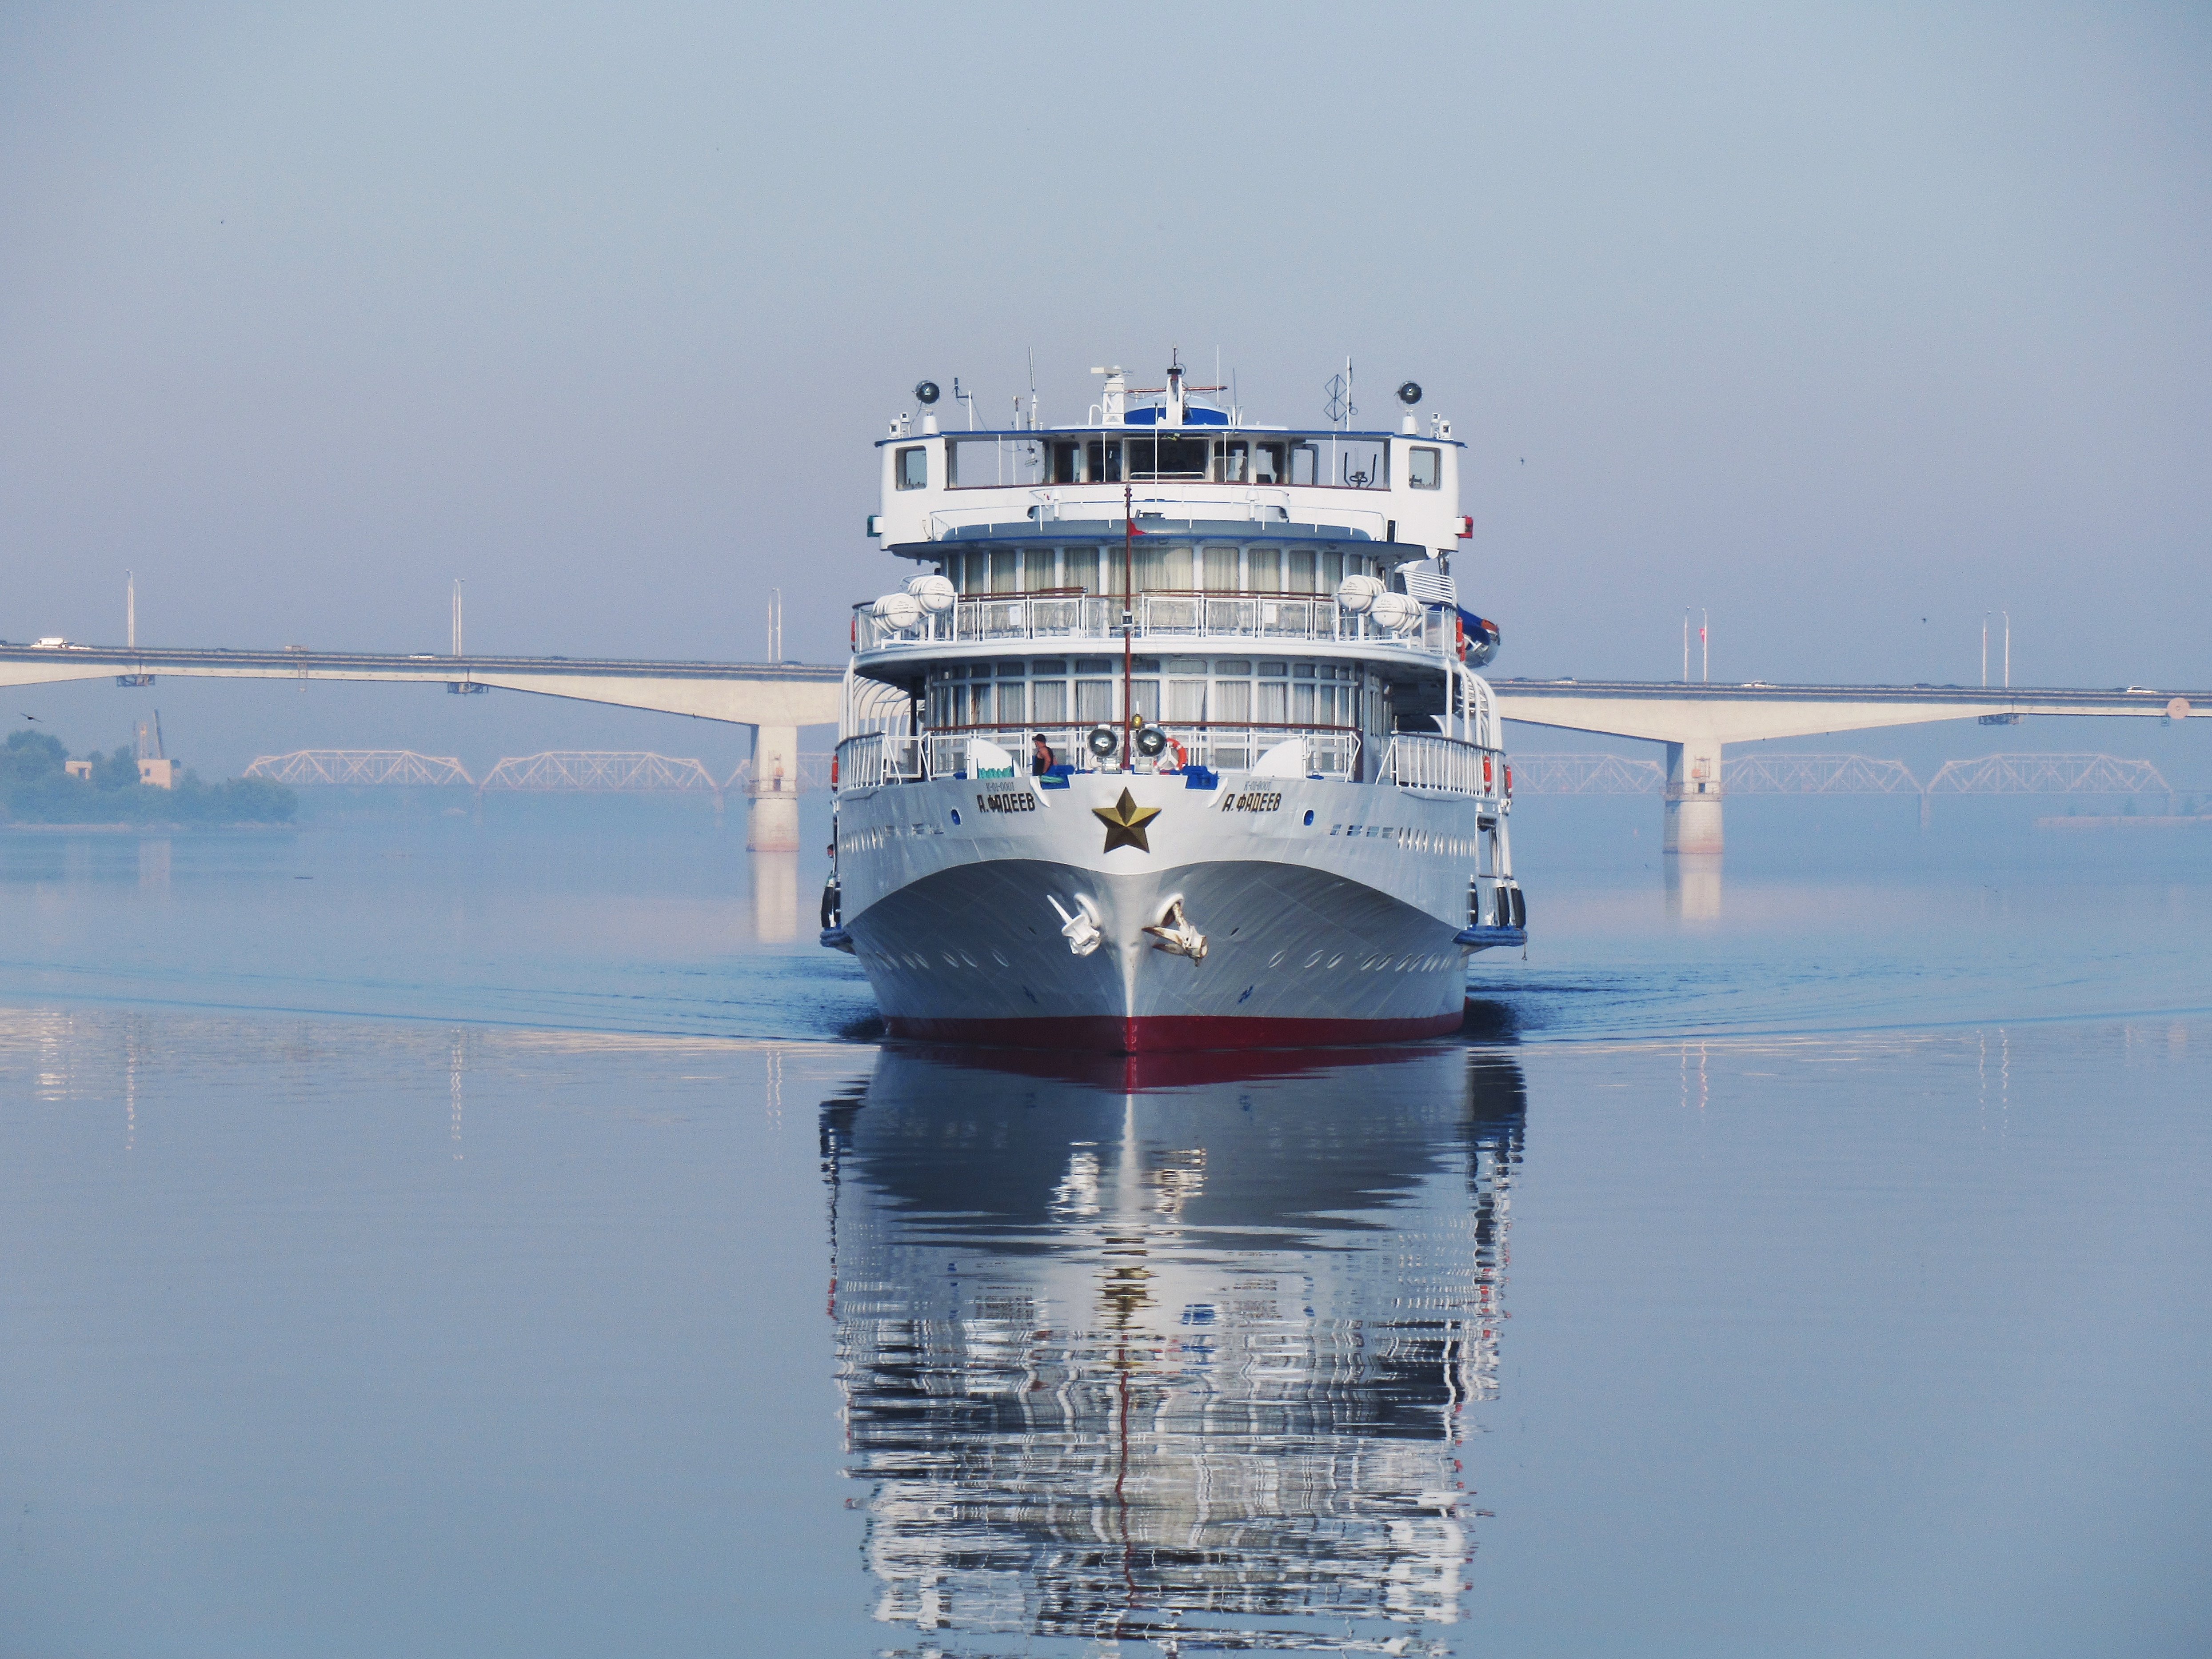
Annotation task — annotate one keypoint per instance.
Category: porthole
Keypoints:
(955, 815)
(1309, 817)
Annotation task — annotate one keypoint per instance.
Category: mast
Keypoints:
(1128, 626)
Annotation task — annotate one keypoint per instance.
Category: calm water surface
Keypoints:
(509, 1238)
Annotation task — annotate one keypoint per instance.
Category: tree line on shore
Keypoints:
(36, 787)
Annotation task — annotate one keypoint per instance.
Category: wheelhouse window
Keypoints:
(1425, 468)
(1161, 458)
(912, 468)
(991, 463)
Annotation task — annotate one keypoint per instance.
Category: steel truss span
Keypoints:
(1849, 774)
(373, 768)
(576, 771)
(2048, 775)
(602, 772)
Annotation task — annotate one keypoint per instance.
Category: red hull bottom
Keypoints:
(1155, 1034)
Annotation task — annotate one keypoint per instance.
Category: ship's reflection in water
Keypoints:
(1172, 1350)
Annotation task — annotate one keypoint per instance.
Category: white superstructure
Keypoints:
(1174, 737)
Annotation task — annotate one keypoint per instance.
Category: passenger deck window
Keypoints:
(913, 469)
(1068, 463)
(1268, 466)
(1234, 462)
(1425, 468)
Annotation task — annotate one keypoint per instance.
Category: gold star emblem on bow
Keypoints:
(1125, 823)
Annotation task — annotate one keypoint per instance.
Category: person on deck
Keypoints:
(1040, 756)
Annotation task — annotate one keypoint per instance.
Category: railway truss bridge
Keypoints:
(1759, 773)
(555, 771)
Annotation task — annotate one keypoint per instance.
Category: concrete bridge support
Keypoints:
(1693, 811)
(772, 825)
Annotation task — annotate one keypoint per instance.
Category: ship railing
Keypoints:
(1021, 516)
(1444, 766)
(874, 759)
(1058, 616)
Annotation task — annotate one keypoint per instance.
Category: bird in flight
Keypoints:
(30, 717)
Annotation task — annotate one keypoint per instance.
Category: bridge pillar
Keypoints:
(1692, 811)
(773, 824)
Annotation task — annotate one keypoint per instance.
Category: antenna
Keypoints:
(967, 398)
(1033, 402)
(1339, 409)
(129, 610)
(776, 624)
(457, 615)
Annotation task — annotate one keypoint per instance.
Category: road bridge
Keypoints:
(775, 699)
(1695, 722)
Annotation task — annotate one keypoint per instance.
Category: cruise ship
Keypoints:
(1173, 737)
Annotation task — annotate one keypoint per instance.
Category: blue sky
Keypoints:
(1827, 318)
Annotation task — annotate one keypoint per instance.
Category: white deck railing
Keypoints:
(1443, 766)
(1160, 618)
(873, 759)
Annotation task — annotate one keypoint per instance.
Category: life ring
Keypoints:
(1182, 757)
(1485, 771)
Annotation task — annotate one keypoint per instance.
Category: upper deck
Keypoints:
(1176, 462)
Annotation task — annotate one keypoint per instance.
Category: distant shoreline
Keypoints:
(2162, 821)
(139, 828)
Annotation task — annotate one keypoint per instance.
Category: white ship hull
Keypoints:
(1347, 928)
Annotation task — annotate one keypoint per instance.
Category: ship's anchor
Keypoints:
(1173, 934)
(1080, 930)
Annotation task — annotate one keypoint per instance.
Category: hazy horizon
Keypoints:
(1827, 322)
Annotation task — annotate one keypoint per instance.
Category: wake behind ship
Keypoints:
(1174, 741)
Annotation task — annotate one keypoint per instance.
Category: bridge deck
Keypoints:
(747, 694)
(1670, 711)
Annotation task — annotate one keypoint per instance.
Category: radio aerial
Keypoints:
(925, 391)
